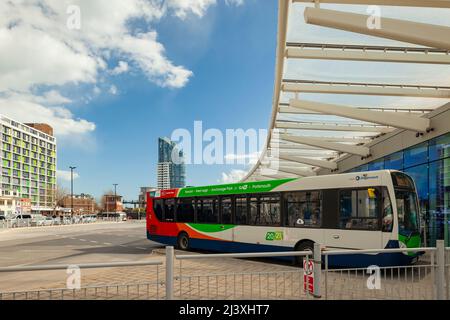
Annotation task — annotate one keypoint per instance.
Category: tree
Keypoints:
(60, 194)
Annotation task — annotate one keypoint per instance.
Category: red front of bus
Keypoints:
(159, 231)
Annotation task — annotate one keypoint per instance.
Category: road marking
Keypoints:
(72, 238)
(123, 246)
(107, 243)
(140, 248)
(93, 241)
(83, 240)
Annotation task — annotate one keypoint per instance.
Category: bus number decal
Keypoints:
(274, 236)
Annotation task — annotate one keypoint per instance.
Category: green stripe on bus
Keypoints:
(413, 242)
(210, 228)
(234, 188)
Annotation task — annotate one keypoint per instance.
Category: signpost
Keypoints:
(308, 276)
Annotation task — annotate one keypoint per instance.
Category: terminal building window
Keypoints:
(416, 155)
(359, 209)
(394, 161)
(304, 209)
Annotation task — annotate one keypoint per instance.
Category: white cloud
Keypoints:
(66, 175)
(38, 50)
(234, 2)
(60, 118)
(183, 7)
(233, 176)
(144, 49)
(53, 97)
(51, 62)
(121, 68)
(113, 90)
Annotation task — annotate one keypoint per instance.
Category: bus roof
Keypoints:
(259, 186)
(223, 189)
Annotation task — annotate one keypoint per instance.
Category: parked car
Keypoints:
(36, 220)
(21, 220)
(122, 216)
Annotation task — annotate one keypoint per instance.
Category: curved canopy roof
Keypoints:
(347, 75)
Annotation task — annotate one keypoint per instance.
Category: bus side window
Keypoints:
(157, 208)
(226, 205)
(169, 210)
(388, 218)
(209, 212)
(304, 209)
(241, 211)
(254, 214)
(185, 211)
(359, 209)
(269, 211)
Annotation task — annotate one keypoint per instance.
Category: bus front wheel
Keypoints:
(183, 241)
(303, 246)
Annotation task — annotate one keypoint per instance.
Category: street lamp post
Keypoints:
(115, 197)
(71, 190)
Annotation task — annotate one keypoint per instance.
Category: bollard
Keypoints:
(317, 269)
(440, 270)
(169, 273)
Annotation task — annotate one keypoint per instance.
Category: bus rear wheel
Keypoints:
(183, 241)
(303, 246)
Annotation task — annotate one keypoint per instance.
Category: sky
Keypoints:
(133, 73)
(111, 76)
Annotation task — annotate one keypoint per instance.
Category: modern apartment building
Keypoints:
(28, 163)
(171, 172)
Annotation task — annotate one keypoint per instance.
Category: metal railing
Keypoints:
(277, 284)
(141, 290)
(393, 282)
(28, 223)
(186, 276)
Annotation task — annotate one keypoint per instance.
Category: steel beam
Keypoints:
(357, 150)
(331, 127)
(297, 171)
(341, 139)
(400, 30)
(400, 3)
(346, 55)
(312, 162)
(366, 89)
(396, 120)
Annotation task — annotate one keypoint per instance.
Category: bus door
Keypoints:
(358, 223)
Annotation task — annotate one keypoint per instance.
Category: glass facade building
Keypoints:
(171, 169)
(28, 164)
(428, 163)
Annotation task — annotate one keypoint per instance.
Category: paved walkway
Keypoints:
(228, 278)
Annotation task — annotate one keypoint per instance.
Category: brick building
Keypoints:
(82, 204)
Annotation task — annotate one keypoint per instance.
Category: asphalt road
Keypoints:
(87, 243)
